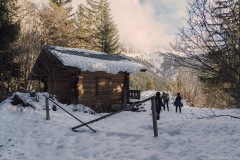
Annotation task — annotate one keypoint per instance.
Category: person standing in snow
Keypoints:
(159, 104)
(178, 102)
(165, 98)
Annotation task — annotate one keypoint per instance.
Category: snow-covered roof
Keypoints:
(88, 60)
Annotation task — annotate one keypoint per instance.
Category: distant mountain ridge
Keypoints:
(157, 61)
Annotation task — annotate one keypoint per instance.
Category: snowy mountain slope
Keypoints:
(156, 61)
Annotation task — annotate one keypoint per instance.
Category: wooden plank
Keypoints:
(87, 87)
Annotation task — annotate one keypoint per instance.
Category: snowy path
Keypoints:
(125, 136)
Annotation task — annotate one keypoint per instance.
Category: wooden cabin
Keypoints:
(96, 79)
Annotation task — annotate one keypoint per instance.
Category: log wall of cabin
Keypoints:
(60, 84)
(87, 92)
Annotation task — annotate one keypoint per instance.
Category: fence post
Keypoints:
(47, 109)
(154, 117)
(125, 97)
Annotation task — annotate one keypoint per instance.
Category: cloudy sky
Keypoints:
(147, 23)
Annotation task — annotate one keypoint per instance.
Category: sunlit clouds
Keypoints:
(147, 24)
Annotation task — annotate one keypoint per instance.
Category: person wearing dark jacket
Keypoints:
(165, 98)
(178, 102)
(159, 104)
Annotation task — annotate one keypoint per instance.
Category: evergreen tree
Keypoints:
(86, 22)
(96, 28)
(8, 34)
(8, 29)
(58, 27)
(83, 24)
(92, 7)
(106, 34)
(61, 2)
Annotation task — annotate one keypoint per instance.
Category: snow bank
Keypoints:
(25, 134)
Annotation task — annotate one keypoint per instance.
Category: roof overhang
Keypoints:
(93, 61)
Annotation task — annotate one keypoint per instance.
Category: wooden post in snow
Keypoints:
(154, 117)
(125, 90)
(47, 109)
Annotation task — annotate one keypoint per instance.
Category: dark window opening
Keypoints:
(103, 86)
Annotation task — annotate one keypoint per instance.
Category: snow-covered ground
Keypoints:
(26, 134)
